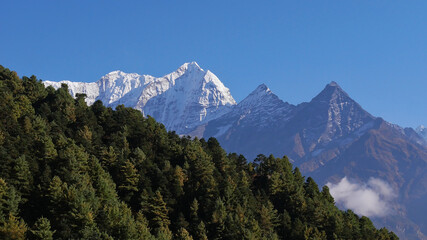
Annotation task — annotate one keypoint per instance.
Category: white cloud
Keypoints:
(371, 199)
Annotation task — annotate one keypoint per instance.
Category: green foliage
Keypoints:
(157, 212)
(76, 172)
(12, 229)
(41, 230)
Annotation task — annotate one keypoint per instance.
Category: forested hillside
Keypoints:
(69, 171)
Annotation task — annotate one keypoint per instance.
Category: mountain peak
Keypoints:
(115, 72)
(333, 84)
(119, 77)
(334, 107)
(261, 89)
(190, 66)
(261, 95)
(331, 91)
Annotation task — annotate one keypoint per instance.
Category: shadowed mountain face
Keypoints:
(297, 131)
(250, 122)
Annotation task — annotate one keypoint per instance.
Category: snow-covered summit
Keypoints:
(191, 66)
(180, 100)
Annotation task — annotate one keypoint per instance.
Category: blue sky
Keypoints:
(376, 50)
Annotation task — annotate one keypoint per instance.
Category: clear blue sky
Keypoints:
(376, 50)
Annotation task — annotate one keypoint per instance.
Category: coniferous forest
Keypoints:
(72, 171)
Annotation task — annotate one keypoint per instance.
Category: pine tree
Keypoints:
(268, 219)
(157, 212)
(142, 227)
(128, 180)
(9, 202)
(367, 228)
(311, 233)
(183, 235)
(109, 158)
(41, 230)
(218, 218)
(22, 176)
(201, 233)
(179, 179)
(164, 234)
(13, 228)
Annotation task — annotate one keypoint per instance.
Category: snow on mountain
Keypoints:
(262, 103)
(90, 89)
(422, 131)
(180, 100)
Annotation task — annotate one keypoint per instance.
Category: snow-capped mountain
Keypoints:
(181, 100)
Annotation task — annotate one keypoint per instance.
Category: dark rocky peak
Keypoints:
(332, 92)
(262, 96)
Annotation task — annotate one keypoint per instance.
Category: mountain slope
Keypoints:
(261, 110)
(332, 137)
(281, 128)
(180, 100)
(329, 116)
(384, 152)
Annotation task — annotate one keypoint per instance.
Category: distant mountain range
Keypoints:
(328, 138)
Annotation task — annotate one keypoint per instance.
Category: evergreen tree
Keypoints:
(128, 180)
(12, 229)
(183, 235)
(22, 178)
(201, 231)
(157, 212)
(42, 230)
